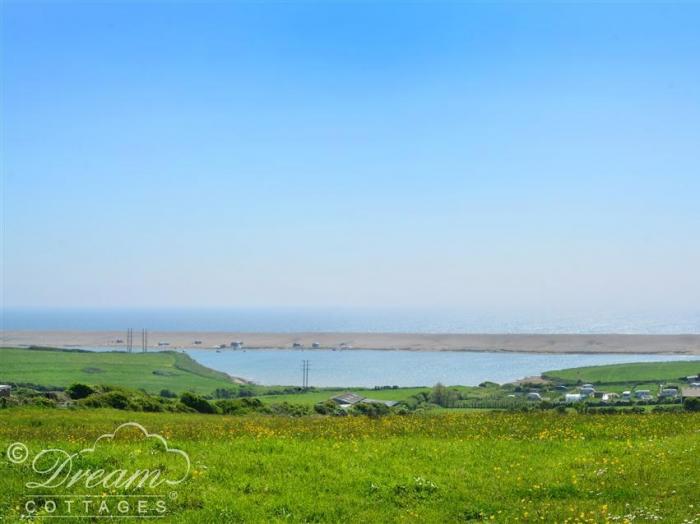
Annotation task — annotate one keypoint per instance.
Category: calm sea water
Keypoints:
(368, 368)
(404, 320)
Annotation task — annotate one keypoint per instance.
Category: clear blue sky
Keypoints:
(399, 154)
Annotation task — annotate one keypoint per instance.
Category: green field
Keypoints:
(451, 467)
(642, 372)
(319, 395)
(149, 371)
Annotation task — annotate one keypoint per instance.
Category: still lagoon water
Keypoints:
(369, 368)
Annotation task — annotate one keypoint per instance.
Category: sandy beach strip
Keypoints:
(612, 343)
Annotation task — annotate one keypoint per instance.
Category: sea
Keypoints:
(349, 319)
(367, 368)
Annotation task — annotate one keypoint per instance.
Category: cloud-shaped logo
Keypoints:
(58, 466)
(147, 435)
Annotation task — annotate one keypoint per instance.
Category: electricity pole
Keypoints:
(305, 374)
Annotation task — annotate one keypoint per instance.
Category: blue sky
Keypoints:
(483, 155)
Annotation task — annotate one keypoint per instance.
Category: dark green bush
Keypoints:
(371, 409)
(691, 404)
(78, 391)
(198, 403)
(239, 406)
(290, 410)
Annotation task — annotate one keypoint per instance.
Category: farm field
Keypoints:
(641, 372)
(149, 371)
(442, 467)
(320, 395)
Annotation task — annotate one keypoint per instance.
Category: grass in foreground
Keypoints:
(452, 467)
(641, 372)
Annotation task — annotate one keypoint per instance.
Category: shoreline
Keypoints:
(682, 344)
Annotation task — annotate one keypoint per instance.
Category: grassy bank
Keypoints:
(455, 467)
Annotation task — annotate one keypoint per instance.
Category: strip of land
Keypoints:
(610, 343)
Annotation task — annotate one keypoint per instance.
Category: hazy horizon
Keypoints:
(487, 157)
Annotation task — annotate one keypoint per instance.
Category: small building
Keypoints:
(643, 394)
(560, 387)
(236, 344)
(161, 344)
(347, 400)
(588, 386)
(626, 395)
(5, 390)
(668, 393)
(609, 397)
(297, 345)
(197, 342)
(587, 391)
(570, 398)
(315, 345)
(690, 393)
(532, 396)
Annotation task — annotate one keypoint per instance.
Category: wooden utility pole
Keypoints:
(305, 374)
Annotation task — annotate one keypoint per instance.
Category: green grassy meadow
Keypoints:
(319, 395)
(641, 372)
(446, 467)
(149, 371)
